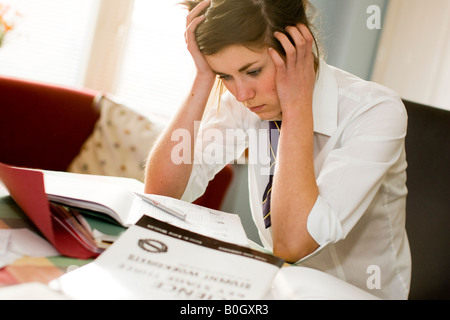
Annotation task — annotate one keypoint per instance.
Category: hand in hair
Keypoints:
(295, 73)
(192, 21)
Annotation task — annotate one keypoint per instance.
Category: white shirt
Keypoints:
(360, 165)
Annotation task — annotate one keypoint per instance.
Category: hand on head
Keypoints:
(295, 76)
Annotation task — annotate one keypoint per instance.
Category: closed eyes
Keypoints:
(252, 73)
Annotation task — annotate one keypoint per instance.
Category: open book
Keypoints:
(72, 210)
(156, 260)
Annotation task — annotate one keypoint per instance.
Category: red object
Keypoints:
(217, 188)
(26, 187)
(43, 126)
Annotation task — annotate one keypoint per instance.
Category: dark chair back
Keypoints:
(428, 202)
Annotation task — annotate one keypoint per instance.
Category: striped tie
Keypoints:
(274, 134)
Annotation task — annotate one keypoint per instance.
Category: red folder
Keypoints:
(26, 187)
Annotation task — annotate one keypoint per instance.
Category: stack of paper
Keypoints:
(156, 260)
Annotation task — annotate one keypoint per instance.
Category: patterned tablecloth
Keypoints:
(27, 269)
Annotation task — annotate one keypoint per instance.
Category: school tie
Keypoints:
(274, 134)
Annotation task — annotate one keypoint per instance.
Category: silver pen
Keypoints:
(178, 214)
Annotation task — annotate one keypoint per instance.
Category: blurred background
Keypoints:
(135, 48)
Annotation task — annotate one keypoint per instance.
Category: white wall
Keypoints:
(414, 52)
(348, 42)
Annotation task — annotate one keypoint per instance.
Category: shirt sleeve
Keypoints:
(355, 169)
(221, 139)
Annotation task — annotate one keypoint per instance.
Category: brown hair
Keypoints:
(251, 23)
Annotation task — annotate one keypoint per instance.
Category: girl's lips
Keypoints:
(256, 109)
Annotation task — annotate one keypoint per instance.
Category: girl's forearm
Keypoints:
(295, 189)
(163, 175)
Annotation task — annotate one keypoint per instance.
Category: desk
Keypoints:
(27, 275)
(28, 269)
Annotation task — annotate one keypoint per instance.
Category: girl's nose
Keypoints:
(244, 92)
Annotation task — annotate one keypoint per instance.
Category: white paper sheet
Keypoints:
(17, 243)
(167, 264)
(211, 223)
(29, 291)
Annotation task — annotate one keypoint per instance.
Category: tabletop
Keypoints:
(27, 267)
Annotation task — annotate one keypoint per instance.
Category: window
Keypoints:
(157, 69)
(49, 40)
(133, 49)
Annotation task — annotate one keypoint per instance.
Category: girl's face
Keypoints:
(250, 77)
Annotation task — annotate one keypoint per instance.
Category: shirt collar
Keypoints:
(325, 101)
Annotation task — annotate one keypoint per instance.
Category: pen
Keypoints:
(179, 215)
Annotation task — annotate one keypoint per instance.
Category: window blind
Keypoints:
(157, 70)
(50, 41)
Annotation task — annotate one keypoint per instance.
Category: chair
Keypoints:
(428, 201)
(215, 193)
(44, 126)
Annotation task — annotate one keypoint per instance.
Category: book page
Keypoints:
(116, 197)
(155, 260)
(303, 283)
(91, 193)
(208, 222)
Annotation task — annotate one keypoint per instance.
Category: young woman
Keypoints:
(337, 193)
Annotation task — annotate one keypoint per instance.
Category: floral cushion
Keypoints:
(119, 144)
